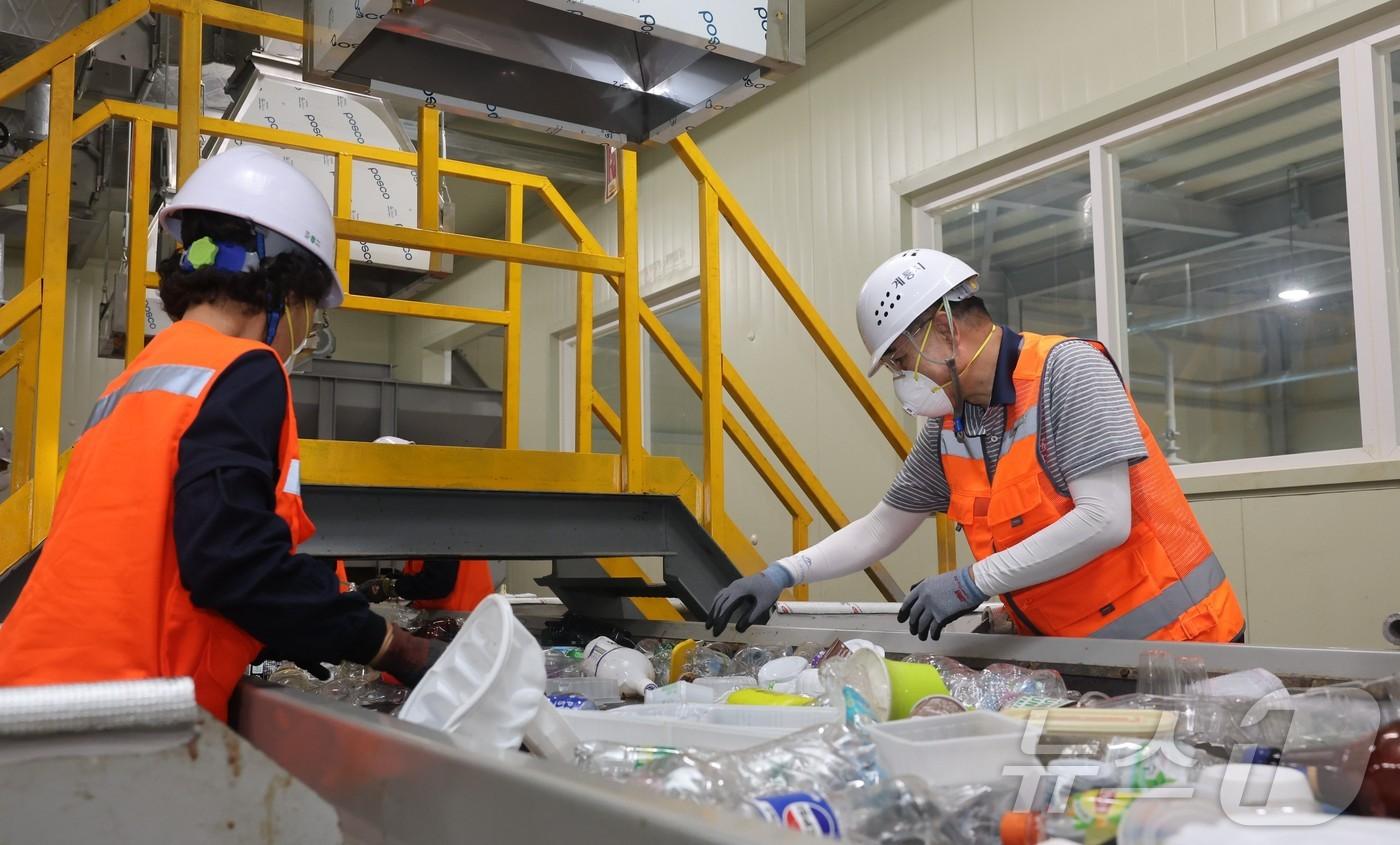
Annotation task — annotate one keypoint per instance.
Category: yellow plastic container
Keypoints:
(767, 698)
(909, 684)
(679, 655)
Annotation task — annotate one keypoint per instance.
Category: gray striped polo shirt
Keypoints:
(1086, 424)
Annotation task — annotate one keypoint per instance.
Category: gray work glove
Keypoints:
(751, 597)
(934, 602)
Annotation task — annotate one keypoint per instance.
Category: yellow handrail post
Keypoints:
(711, 367)
(583, 364)
(629, 326)
(27, 377)
(191, 89)
(792, 293)
(49, 396)
(136, 239)
(510, 402)
(429, 130)
(344, 186)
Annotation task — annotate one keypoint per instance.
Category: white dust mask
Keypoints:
(920, 396)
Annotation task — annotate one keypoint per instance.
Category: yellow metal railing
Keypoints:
(38, 311)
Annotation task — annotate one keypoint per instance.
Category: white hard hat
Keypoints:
(393, 441)
(901, 289)
(256, 184)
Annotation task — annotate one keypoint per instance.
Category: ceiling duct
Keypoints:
(592, 70)
(270, 92)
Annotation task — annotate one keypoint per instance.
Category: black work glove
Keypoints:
(318, 670)
(751, 597)
(377, 589)
(407, 657)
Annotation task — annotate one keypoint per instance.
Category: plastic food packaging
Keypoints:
(725, 684)
(681, 692)
(822, 760)
(488, 685)
(781, 674)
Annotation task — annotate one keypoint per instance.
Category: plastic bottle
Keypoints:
(901, 810)
(1091, 817)
(820, 760)
(617, 761)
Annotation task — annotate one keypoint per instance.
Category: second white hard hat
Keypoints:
(256, 184)
(901, 289)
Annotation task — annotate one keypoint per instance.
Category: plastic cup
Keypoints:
(909, 684)
(1158, 674)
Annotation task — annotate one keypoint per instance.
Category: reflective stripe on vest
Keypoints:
(179, 379)
(971, 447)
(1156, 614)
(293, 485)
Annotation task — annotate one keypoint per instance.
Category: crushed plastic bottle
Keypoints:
(563, 662)
(896, 812)
(621, 762)
(822, 760)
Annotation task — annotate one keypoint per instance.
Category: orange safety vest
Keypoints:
(104, 601)
(1163, 583)
(473, 584)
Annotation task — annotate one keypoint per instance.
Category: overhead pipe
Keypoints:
(1206, 388)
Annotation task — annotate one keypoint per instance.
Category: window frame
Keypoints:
(1362, 58)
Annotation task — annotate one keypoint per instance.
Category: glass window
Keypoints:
(1033, 247)
(1241, 335)
(674, 419)
(672, 410)
(607, 356)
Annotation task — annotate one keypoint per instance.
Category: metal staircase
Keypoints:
(593, 514)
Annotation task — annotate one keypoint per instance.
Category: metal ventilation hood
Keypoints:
(588, 69)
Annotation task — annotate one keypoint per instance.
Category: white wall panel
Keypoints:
(1035, 60)
(1236, 20)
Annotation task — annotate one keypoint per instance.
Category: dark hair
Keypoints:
(291, 275)
(973, 307)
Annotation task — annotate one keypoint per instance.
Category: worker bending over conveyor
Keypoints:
(173, 545)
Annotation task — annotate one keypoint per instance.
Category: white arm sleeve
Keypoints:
(1101, 520)
(854, 547)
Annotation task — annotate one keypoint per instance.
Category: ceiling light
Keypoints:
(1294, 294)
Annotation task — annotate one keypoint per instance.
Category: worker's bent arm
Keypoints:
(1101, 520)
(853, 548)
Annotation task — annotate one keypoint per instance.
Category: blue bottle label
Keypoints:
(800, 811)
(570, 701)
